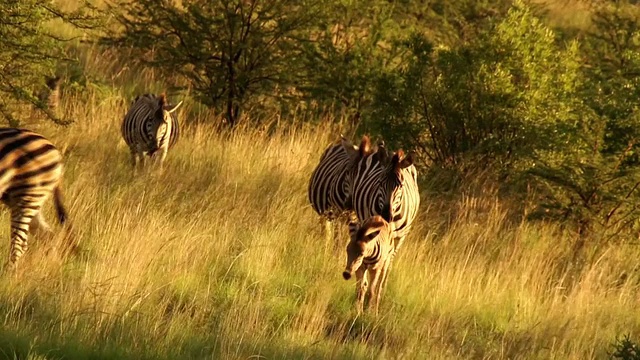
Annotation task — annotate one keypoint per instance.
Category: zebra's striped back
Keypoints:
(30, 171)
(329, 186)
(150, 125)
(386, 187)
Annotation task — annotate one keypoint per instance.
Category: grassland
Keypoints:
(221, 257)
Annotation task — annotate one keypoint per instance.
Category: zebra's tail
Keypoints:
(60, 210)
(70, 245)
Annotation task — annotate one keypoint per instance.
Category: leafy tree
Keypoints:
(29, 52)
(594, 181)
(493, 99)
(230, 52)
(612, 50)
(353, 44)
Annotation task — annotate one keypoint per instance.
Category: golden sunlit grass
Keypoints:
(221, 257)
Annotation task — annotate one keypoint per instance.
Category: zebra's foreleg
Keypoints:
(397, 242)
(374, 288)
(328, 230)
(160, 159)
(361, 288)
(383, 275)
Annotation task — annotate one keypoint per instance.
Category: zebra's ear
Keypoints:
(162, 100)
(365, 146)
(400, 161)
(174, 108)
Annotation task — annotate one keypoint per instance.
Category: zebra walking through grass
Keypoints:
(369, 255)
(30, 171)
(329, 186)
(386, 187)
(150, 127)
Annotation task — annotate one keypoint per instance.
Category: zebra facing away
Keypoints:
(30, 171)
(150, 127)
(369, 254)
(329, 186)
(386, 187)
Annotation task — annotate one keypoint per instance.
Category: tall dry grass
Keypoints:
(221, 256)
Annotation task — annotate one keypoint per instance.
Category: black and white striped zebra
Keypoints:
(150, 127)
(369, 254)
(387, 187)
(329, 186)
(30, 171)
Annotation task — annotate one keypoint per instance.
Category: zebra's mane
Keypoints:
(152, 101)
(373, 224)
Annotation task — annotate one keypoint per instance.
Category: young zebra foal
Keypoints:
(370, 252)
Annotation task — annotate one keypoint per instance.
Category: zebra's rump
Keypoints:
(30, 165)
(328, 191)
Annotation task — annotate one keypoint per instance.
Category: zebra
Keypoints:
(329, 186)
(386, 187)
(30, 171)
(150, 126)
(51, 95)
(369, 253)
(48, 98)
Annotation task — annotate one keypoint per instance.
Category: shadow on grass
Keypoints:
(16, 346)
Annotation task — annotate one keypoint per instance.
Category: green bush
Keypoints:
(626, 349)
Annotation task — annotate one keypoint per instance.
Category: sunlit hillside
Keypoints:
(220, 256)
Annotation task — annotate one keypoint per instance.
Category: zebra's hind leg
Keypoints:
(21, 217)
(38, 223)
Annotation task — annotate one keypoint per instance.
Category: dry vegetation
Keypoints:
(221, 257)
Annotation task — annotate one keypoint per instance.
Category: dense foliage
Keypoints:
(31, 50)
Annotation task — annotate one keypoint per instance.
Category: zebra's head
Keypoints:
(161, 121)
(362, 244)
(393, 181)
(53, 82)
